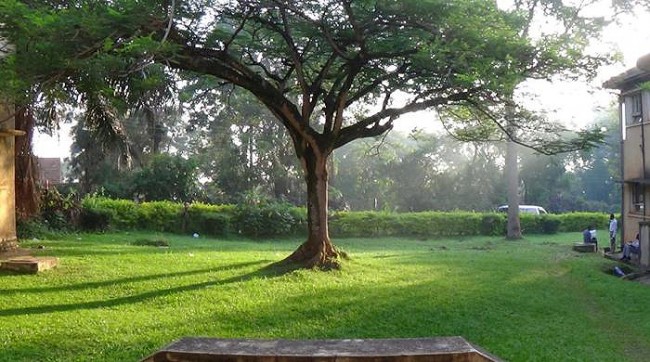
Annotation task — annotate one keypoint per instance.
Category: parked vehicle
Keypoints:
(527, 209)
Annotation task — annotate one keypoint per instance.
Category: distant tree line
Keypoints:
(230, 148)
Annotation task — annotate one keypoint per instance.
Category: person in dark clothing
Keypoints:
(589, 236)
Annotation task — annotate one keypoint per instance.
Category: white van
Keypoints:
(525, 209)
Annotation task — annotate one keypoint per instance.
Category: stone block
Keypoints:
(453, 349)
(29, 264)
(584, 248)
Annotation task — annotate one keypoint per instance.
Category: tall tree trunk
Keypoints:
(7, 190)
(512, 176)
(318, 250)
(27, 191)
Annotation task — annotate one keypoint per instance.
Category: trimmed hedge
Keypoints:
(279, 219)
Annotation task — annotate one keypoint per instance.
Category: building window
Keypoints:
(638, 197)
(636, 107)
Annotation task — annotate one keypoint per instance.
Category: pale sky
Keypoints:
(574, 104)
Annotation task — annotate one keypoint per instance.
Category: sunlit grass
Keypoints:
(110, 300)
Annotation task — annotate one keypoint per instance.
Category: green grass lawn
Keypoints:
(529, 300)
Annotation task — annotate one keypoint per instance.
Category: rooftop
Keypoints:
(631, 78)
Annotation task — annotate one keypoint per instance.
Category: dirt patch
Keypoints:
(487, 246)
(643, 279)
(627, 272)
(161, 243)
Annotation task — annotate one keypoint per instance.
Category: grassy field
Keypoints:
(529, 300)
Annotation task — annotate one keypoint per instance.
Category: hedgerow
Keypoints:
(268, 219)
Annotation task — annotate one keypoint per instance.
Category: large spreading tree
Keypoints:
(330, 71)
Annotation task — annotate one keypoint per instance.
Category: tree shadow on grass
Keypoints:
(269, 271)
(105, 283)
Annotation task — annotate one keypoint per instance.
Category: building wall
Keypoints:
(631, 219)
(7, 194)
(635, 174)
(633, 167)
(49, 171)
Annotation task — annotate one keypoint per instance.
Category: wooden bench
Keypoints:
(442, 349)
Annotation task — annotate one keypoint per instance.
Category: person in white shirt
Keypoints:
(613, 228)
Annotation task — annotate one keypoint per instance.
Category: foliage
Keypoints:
(59, 212)
(421, 172)
(162, 216)
(240, 147)
(262, 217)
(209, 223)
(549, 225)
(124, 214)
(94, 219)
(434, 224)
(578, 221)
(492, 224)
(118, 295)
(266, 218)
(33, 228)
(321, 68)
(167, 177)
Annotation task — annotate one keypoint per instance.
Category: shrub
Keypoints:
(265, 219)
(160, 216)
(368, 223)
(59, 212)
(209, 223)
(164, 216)
(578, 221)
(549, 224)
(32, 228)
(493, 224)
(95, 219)
(124, 214)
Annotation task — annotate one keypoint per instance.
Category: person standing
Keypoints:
(613, 229)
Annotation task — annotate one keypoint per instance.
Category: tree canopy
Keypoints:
(329, 71)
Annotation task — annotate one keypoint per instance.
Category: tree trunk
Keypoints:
(512, 176)
(318, 251)
(27, 191)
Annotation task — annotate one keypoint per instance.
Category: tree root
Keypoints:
(322, 258)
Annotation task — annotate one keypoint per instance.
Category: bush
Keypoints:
(213, 224)
(578, 221)
(549, 224)
(163, 216)
(94, 219)
(369, 223)
(124, 214)
(32, 228)
(493, 224)
(265, 219)
(160, 216)
(59, 212)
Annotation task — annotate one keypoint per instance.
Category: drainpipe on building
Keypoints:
(643, 63)
(643, 168)
(621, 120)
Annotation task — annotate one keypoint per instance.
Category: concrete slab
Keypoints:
(584, 248)
(29, 264)
(453, 349)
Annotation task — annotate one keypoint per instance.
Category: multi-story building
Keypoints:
(634, 110)
(49, 171)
